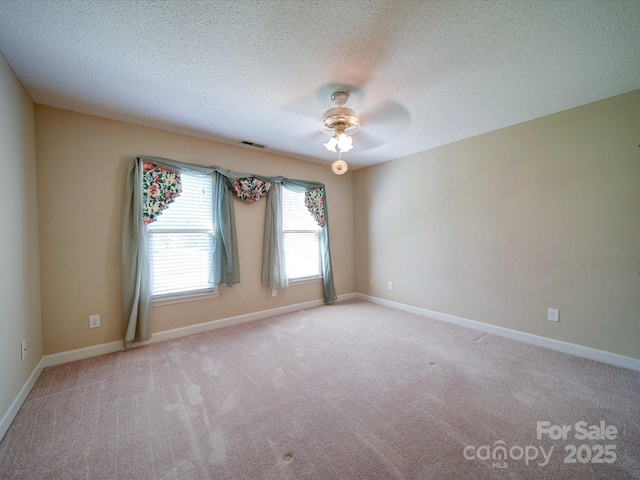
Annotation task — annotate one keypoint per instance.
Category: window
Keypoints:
(181, 242)
(300, 232)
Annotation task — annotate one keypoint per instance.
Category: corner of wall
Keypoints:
(19, 256)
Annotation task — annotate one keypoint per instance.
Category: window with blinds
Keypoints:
(181, 241)
(300, 232)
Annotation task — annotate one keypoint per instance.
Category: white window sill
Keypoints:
(172, 298)
(301, 280)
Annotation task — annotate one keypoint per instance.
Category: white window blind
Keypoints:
(300, 232)
(181, 240)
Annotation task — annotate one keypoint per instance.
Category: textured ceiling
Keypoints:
(422, 73)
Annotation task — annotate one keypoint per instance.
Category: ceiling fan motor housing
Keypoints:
(340, 118)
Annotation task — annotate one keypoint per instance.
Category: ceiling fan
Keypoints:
(342, 122)
(385, 122)
(382, 120)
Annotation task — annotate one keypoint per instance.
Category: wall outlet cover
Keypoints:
(94, 321)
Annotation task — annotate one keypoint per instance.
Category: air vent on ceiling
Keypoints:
(251, 144)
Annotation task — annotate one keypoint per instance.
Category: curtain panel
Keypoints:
(225, 271)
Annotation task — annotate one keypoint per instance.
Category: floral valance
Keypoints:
(314, 203)
(160, 187)
(251, 189)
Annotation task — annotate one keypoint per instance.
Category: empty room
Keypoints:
(320, 239)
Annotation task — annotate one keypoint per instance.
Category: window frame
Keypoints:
(184, 295)
(308, 278)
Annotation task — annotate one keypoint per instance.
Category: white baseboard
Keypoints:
(94, 351)
(81, 353)
(87, 352)
(15, 406)
(111, 347)
(557, 345)
(248, 317)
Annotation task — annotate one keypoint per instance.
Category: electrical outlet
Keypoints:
(23, 348)
(390, 285)
(553, 315)
(94, 321)
(371, 282)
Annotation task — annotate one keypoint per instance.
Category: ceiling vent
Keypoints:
(251, 144)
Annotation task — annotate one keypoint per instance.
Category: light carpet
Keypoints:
(348, 391)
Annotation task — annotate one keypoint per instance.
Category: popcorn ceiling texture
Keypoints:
(423, 73)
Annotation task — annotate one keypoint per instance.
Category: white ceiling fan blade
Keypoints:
(389, 118)
(363, 141)
(381, 125)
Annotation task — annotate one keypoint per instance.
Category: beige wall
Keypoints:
(19, 270)
(500, 227)
(496, 228)
(82, 168)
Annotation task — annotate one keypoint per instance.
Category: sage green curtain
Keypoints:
(136, 282)
(274, 271)
(226, 264)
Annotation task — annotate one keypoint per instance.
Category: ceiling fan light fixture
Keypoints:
(341, 141)
(345, 143)
(331, 144)
(339, 167)
(343, 121)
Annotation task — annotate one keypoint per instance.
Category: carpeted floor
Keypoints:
(348, 391)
